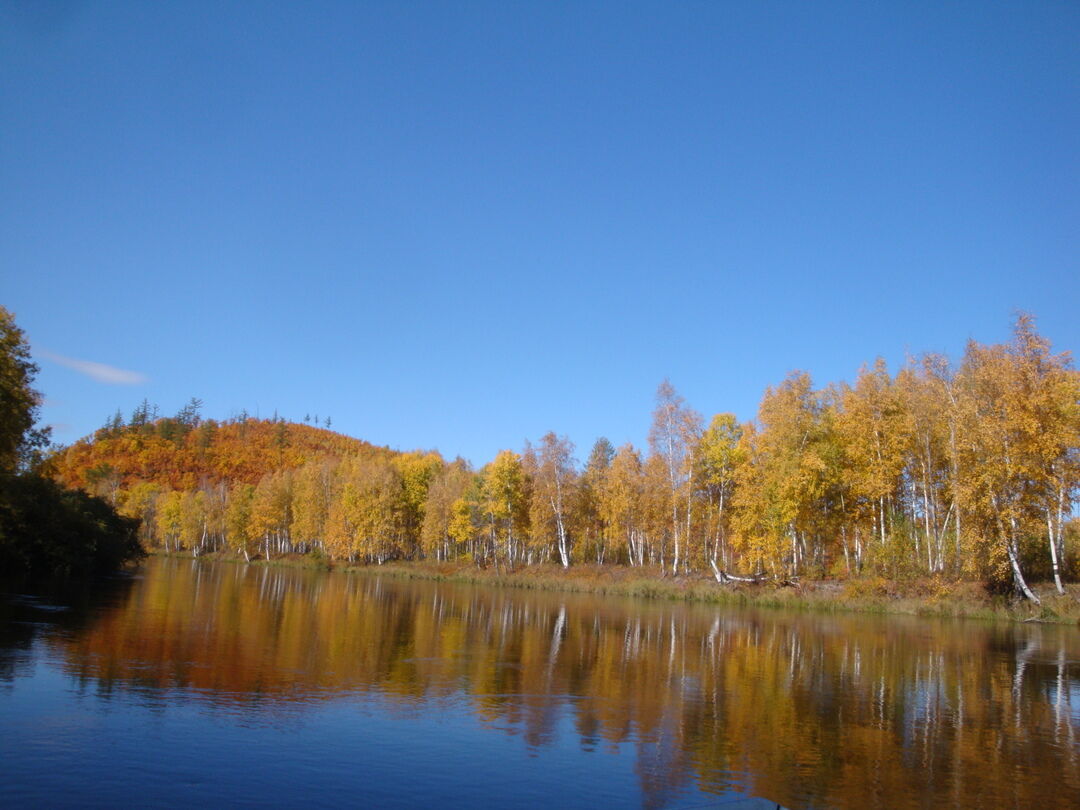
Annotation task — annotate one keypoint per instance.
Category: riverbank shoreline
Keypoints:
(934, 598)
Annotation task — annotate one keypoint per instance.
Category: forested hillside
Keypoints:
(965, 470)
(186, 451)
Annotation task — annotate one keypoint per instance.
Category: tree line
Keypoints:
(965, 470)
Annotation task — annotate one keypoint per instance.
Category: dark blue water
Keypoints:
(203, 684)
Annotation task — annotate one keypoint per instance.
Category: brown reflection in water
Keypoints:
(805, 709)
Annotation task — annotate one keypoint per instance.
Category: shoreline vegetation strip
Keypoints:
(924, 598)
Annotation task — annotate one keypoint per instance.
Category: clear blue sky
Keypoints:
(459, 225)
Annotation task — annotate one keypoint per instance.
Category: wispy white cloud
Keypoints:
(96, 371)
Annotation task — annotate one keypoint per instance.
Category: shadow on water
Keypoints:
(34, 607)
(807, 709)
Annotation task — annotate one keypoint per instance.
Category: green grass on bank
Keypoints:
(933, 597)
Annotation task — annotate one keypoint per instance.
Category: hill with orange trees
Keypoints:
(185, 452)
(250, 485)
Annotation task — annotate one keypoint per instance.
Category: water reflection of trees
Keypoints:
(805, 709)
(62, 605)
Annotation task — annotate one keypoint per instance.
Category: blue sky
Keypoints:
(461, 225)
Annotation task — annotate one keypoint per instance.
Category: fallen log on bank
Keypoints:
(723, 577)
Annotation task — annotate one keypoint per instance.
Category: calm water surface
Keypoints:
(224, 684)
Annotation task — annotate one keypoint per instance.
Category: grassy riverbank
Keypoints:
(924, 597)
(927, 597)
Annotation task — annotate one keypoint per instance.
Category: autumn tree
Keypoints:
(466, 518)
(655, 511)
(718, 456)
(673, 437)
(589, 497)
(505, 504)
(874, 429)
(238, 525)
(169, 517)
(366, 513)
(271, 511)
(927, 390)
(784, 483)
(417, 471)
(1048, 413)
(996, 441)
(619, 502)
(194, 521)
(1018, 436)
(312, 489)
(447, 490)
(553, 481)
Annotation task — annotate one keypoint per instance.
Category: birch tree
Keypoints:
(590, 494)
(505, 504)
(672, 438)
(718, 456)
(874, 428)
(995, 440)
(553, 482)
(620, 502)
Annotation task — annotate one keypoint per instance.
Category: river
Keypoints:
(218, 684)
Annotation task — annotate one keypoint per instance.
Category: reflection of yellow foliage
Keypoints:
(805, 709)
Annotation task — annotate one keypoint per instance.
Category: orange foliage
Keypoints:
(233, 452)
